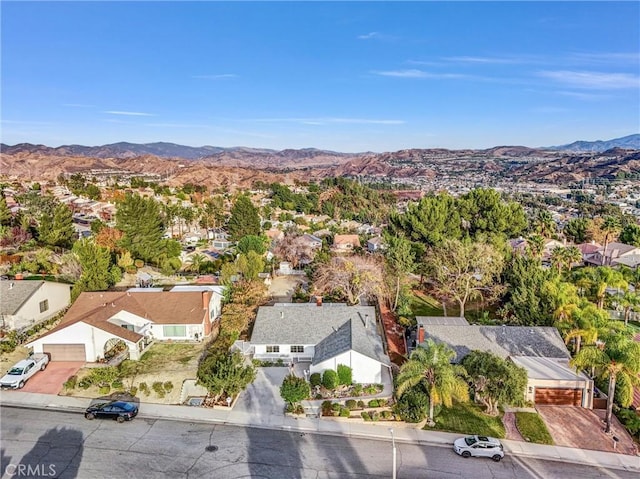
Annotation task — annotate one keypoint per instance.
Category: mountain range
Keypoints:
(267, 156)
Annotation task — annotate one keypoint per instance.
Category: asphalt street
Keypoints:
(37, 443)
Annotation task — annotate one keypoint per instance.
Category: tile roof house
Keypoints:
(616, 253)
(324, 335)
(98, 321)
(540, 350)
(345, 243)
(25, 303)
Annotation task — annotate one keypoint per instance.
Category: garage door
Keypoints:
(558, 397)
(65, 352)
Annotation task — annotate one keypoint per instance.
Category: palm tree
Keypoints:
(195, 260)
(602, 278)
(535, 245)
(544, 224)
(629, 301)
(571, 256)
(430, 365)
(617, 358)
(610, 227)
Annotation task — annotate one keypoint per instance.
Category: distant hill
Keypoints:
(631, 142)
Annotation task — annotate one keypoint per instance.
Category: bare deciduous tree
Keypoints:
(355, 276)
(294, 249)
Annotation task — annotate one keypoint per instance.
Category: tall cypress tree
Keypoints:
(141, 222)
(244, 219)
(5, 213)
(57, 230)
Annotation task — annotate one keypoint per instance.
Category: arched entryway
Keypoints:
(114, 347)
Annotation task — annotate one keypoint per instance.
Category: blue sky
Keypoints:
(361, 76)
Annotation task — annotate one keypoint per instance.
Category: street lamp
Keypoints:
(393, 443)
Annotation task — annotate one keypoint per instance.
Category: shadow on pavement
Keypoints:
(57, 453)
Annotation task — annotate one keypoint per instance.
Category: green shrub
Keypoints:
(344, 375)
(105, 389)
(335, 407)
(386, 415)
(345, 412)
(371, 389)
(315, 379)
(168, 386)
(294, 389)
(360, 404)
(375, 415)
(383, 402)
(106, 374)
(138, 263)
(326, 408)
(318, 396)
(133, 391)
(143, 388)
(351, 403)
(158, 387)
(71, 382)
(117, 384)
(373, 403)
(330, 379)
(365, 416)
(413, 406)
(630, 419)
(85, 383)
(357, 390)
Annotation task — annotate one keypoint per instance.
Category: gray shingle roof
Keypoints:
(333, 328)
(503, 341)
(13, 294)
(441, 321)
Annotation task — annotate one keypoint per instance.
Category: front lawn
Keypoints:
(533, 428)
(468, 418)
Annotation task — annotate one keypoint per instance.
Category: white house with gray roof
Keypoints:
(324, 335)
(25, 303)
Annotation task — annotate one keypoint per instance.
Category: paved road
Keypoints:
(65, 445)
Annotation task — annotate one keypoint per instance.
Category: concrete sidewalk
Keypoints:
(378, 431)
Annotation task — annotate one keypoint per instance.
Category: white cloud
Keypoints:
(592, 80)
(325, 120)
(127, 113)
(415, 73)
(369, 36)
(215, 77)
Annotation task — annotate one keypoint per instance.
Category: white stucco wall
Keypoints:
(59, 297)
(191, 330)
(364, 369)
(586, 385)
(93, 339)
(260, 352)
(124, 317)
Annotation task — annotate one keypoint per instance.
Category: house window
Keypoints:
(174, 331)
(297, 349)
(128, 326)
(273, 349)
(44, 305)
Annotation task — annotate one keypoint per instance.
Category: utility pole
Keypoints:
(393, 443)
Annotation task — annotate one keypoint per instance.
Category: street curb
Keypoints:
(304, 430)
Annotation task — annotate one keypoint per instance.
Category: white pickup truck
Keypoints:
(23, 370)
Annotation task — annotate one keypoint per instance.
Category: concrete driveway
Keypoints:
(583, 428)
(51, 379)
(262, 397)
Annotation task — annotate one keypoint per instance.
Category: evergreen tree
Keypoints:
(485, 214)
(57, 230)
(244, 219)
(630, 234)
(96, 267)
(576, 230)
(5, 212)
(140, 220)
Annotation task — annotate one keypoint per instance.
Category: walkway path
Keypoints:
(394, 334)
(509, 421)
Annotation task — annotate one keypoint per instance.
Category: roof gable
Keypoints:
(503, 341)
(13, 294)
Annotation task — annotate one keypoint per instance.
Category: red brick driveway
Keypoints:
(583, 428)
(51, 379)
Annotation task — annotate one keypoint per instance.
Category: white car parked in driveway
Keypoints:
(20, 373)
(480, 446)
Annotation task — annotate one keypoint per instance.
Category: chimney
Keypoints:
(420, 334)
(281, 314)
(366, 321)
(318, 300)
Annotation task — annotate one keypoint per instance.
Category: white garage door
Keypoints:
(65, 352)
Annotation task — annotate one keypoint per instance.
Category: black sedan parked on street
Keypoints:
(121, 411)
